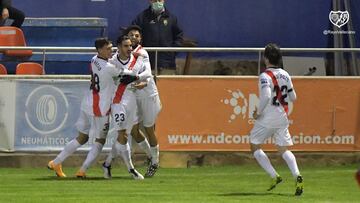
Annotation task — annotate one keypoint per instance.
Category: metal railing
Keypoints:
(67, 50)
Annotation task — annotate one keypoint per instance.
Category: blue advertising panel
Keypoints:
(46, 113)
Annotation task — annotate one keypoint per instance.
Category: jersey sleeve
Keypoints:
(264, 92)
(144, 53)
(114, 72)
(138, 64)
(147, 69)
(264, 81)
(291, 91)
(142, 66)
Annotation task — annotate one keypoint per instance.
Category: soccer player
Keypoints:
(124, 104)
(95, 107)
(148, 107)
(276, 90)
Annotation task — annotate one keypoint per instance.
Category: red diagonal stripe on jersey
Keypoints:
(121, 87)
(96, 107)
(132, 64)
(278, 92)
(119, 93)
(96, 97)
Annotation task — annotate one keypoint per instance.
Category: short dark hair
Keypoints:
(101, 42)
(121, 39)
(273, 54)
(132, 27)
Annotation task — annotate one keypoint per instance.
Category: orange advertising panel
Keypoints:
(214, 114)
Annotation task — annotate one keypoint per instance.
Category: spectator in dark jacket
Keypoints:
(7, 11)
(160, 29)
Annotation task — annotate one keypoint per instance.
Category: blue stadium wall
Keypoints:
(225, 23)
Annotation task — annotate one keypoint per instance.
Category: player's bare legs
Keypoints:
(69, 149)
(141, 140)
(154, 147)
(290, 160)
(82, 138)
(151, 136)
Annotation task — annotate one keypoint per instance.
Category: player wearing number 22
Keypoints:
(276, 90)
(95, 109)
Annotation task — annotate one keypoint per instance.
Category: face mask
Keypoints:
(157, 6)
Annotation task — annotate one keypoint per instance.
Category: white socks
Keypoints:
(129, 140)
(155, 154)
(69, 149)
(124, 150)
(92, 155)
(112, 155)
(264, 162)
(290, 159)
(144, 145)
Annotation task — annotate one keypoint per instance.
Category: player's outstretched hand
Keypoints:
(127, 79)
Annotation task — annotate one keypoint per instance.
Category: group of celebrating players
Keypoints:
(122, 91)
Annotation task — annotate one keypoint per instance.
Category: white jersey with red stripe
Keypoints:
(273, 114)
(98, 98)
(145, 75)
(123, 106)
(130, 66)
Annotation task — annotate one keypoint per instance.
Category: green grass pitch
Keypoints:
(200, 184)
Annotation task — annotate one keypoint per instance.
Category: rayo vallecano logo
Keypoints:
(339, 18)
(46, 109)
(244, 105)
